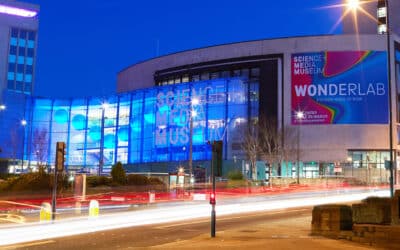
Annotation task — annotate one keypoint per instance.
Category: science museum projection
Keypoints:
(150, 125)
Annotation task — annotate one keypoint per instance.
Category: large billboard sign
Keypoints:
(340, 87)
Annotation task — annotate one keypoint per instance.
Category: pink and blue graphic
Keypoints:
(340, 87)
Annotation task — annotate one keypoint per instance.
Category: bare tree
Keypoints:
(251, 146)
(14, 144)
(278, 143)
(40, 147)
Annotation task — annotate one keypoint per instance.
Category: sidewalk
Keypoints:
(283, 234)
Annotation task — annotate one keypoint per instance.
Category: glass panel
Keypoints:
(21, 60)
(29, 61)
(14, 32)
(21, 42)
(13, 50)
(12, 58)
(13, 41)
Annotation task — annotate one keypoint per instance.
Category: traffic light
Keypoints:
(217, 156)
(212, 199)
(60, 156)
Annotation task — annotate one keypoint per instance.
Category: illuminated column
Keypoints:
(104, 106)
(299, 117)
(23, 124)
(193, 114)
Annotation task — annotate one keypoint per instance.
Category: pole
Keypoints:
(101, 160)
(298, 154)
(213, 215)
(54, 196)
(191, 147)
(390, 99)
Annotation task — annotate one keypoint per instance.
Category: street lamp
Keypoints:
(193, 114)
(2, 107)
(390, 99)
(23, 124)
(104, 106)
(299, 117)
(354, 5)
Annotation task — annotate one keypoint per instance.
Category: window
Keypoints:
(381, 12)
(28, 78)
(13, 50)
(18, 86)
(31, 35)
(29, 61)
(12, 58)
(381, 28)
(31, 44)
(22, 33)
(205, 76)
(28, 87)
(21, 42)
(255, 72)
(30, 52)
(20, 77)
(21, 51)
(214, 75)
(10, 84)
(11, 67)
(14, 32)
(20, 68)
(20, 60)
(29, 69)
(13, 41)
(10, 76)
(185, 78)
(195, 78)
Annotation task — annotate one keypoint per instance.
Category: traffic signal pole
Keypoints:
(54, 196)
(59, 166)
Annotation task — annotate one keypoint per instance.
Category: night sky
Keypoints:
(83, 44)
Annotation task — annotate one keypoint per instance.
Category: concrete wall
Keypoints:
(7, 21)
(326, 143)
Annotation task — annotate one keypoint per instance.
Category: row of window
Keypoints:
(20, 60)
(23, 34)
(249, 73)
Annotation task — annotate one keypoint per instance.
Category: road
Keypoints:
(284, 220)
(283, 229)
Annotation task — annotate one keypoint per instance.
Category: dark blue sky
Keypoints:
(83, 44)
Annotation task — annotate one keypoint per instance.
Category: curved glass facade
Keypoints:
(143, 126)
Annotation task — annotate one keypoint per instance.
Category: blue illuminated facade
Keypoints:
(143, 126)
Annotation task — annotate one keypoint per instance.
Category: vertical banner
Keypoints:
(340, 87)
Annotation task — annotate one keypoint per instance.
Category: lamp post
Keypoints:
(390, 99)
(354, 5)
(23, 124)
(299, 117)
(193, 114)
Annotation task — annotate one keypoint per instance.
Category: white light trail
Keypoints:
(181, 212)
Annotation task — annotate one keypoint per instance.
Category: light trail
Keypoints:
(180, 212)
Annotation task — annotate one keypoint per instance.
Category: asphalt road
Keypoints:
(148, 236)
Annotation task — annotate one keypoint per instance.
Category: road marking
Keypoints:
(29, 244)
(228, 218)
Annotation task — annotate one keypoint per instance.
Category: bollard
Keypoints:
(152, 197)
(93, 209)
(78, 207)
(45, 212)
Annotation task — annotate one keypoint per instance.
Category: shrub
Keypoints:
(155, 181)
(30, 181)
(235, 175)
(135, 179)
(95, 181)
(118, 173)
